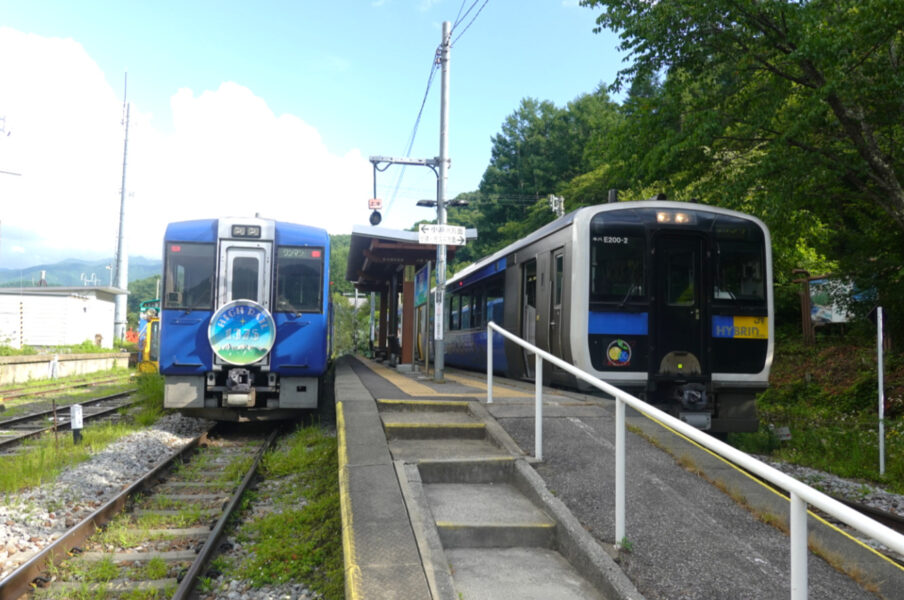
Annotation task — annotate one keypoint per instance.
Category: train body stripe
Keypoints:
(748, 328)
(618, 323)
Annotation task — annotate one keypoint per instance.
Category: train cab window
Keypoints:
(739, 273)
(299, 279)
(244, 278)
(188, 276)
(616, 267)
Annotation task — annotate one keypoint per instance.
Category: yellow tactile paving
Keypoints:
(413, 388)
(498, 392)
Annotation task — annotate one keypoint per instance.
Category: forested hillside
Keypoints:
(788, 110)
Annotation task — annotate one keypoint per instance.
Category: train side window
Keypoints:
(244, 278)
(454, 318)
(299, 279)
(616, 267)
(466, 311)
(188, 276)
(494, 303)
(477, 306)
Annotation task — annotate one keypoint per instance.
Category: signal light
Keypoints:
(375, 218)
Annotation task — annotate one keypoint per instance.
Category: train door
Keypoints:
(244, 269)
(555, 304)
(680, 320)
(529, 311)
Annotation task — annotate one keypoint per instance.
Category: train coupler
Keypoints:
(239, 391)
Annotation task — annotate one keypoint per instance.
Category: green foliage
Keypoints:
(339, 247)
(351, 328)
(784, 109)
(24, 351)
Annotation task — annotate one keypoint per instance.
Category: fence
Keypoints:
(802, 495)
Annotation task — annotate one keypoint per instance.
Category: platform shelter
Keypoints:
(384, 261)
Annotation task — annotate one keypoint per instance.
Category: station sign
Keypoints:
(448, 235)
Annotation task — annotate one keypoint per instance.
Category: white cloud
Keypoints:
(226, 154)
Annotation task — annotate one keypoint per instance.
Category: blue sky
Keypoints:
(267, 107)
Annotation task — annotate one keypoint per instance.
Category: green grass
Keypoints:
(827, 397)
(43, 459)
(295, 542)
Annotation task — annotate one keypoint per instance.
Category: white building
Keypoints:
(57, 316)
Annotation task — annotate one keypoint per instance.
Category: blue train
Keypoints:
(671, 301)
(245, 324)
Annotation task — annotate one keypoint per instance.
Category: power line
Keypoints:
(433, 69)
(471, 22)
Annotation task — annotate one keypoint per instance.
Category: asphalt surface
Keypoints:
(686, 539)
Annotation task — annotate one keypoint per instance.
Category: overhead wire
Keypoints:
(434, 67)
(471, 22)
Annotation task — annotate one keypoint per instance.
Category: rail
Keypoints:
(802, 495)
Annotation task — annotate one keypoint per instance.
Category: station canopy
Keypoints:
(377, 253)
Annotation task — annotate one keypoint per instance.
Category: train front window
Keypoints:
(188, 276)
(616, 267)
(739, 273)
(244, 278)
(299, 279)
(680, 278)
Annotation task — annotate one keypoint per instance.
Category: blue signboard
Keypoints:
(422, 285)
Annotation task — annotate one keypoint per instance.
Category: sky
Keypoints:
(270, 108)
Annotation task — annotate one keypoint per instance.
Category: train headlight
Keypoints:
(675, 217)
(246, 231)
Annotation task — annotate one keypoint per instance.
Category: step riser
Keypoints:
(464, 536)
(403, 432)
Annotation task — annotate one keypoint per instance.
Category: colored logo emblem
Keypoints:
(619, 353)
(241, 332)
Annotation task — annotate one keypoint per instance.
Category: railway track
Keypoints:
(173, 520)
(13, 430)
(11, 393)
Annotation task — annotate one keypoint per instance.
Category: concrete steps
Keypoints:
(485, 525)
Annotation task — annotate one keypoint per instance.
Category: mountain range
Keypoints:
(75, 272)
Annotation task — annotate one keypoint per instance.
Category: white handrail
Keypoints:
(801, 494)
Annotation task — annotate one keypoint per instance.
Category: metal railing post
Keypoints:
(798, 528)
(489, 363)
(619, 472)
(538, 410)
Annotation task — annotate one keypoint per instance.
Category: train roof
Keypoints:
(495, 262)
(205, 230)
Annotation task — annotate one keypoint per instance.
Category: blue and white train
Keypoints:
(671, 301)
(245, 326)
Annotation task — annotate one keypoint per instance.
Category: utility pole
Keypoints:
(439, 345)
(122, 261)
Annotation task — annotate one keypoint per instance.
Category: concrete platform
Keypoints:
(466, 488)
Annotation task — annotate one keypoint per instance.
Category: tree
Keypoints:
(789, 108)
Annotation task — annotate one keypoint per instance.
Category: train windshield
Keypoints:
(299, 279)
(616, 266)
(739, 272)
(188, 276)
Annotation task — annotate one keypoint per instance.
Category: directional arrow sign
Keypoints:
(449, 235)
